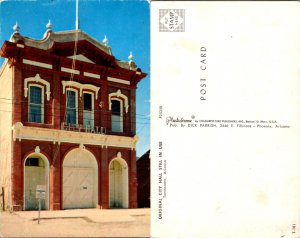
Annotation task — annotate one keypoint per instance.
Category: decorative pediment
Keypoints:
(60, 37)
(58, 49)
(86, 51)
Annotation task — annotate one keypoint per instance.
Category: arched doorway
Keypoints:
(80, 180)
(118, 183)
(36, 172)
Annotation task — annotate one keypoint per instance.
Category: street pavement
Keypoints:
(77, 223)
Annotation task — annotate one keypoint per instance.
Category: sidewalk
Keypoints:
(77, 223)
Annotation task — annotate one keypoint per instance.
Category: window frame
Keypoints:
(42, 103)
(76, 104)
(91, 111)
(121, 115)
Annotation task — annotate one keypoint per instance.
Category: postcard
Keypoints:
(74, 118)
(225, 119)
(77, 97)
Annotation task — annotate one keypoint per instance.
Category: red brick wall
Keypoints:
(54, 114)
(54, 111)
(56, 154)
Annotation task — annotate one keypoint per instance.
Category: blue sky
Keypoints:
(125, 23)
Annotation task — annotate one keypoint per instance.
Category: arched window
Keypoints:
(116, 115)
(118, 103)
(118, 183)
(36, 172)
(71, 103)
(36, 103)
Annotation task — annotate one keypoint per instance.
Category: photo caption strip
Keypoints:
(171, 20)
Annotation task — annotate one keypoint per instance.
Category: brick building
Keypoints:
(143, 179)
(67, 122)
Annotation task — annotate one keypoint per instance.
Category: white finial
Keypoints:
(49, 26)
(131, 63)
(130, 57)
(16, 28)
(105, 41)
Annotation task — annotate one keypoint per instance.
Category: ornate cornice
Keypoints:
(21, 132)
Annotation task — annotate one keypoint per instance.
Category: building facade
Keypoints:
(67, 122)
(144, 180)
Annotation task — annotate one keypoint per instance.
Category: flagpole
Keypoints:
(77, 15)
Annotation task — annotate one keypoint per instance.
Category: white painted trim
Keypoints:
(68, 70)
(20, 45)
(76, 102)
(36, 63)
(118, 94)
(71, 84)
(37, 79)
(21, 132)
(80, 86)
(43, 107)
(96, 76)
(118, 80)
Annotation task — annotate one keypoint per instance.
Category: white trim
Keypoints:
(36, 63)
(117, 95)
(21, 132)
(20, 45)
(96, 76)
(80, 86)
(71, 84)
(37, 79)
(92, 111)
(118, 80)
(43, 107)
(76, 102)
(68, 70)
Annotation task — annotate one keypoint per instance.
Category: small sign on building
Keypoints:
(40, 191)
